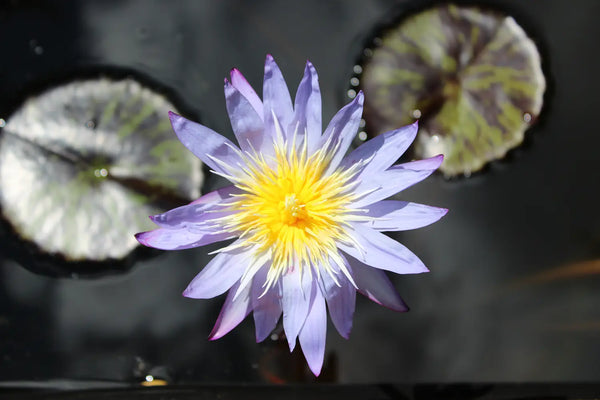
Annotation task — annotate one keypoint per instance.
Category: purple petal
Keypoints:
(205, 143)
(217, 195)
(178, 239)
(246, 123)
(241, 84)
(189, 215)
(267, 306)
(307, 109)
(202, 209)
(232, 313)
(427, 164)
(382, 252)
(342, 130)
(295, 302)
(218, 275)
(393, 215)
(341, 301)
(375, 284)
(276, 99)
(384, 150)
(395, 179)
(313, 334)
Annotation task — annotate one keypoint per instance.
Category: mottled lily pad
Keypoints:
(472, 76)
(83, 164)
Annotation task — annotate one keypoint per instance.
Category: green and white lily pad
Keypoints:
(83, 165)
(472, 76)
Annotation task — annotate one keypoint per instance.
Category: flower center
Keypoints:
(291, 210)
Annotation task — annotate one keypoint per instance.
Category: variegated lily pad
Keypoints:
(82, 165)
(472, 76)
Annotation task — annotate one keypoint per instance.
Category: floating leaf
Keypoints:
(471, 75)
(82, 165)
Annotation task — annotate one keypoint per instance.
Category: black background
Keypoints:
(483, 313)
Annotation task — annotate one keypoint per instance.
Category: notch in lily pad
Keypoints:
(470, 75)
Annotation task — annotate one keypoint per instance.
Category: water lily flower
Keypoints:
(308, 217)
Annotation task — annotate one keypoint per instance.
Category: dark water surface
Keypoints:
(514, 289)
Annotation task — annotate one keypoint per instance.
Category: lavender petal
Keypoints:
(313, 334)
(205, 143)
(247, 125)
(241, 84)
(205, 208)
(217, 195)
(276, 99)
(383, 150)
(190, 216)
(224, 270)
(307, 110)
(380, 251)
(342, 129)
(393, 215)
(232, 313)
(395, 179)
(297, 287)
(266, 306)
(341, 301)
(178, 239)
(374, 284)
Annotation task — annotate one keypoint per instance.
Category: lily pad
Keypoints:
(472, 76)
(83, 164)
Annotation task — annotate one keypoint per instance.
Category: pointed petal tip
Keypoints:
(410, 130)
(399, 308)
(235, 73)
(140, 237)
(360, 97)
(270, 64)
(316, 370)
(427, 164)
(186, 292)
(214, 335)
(175, 119)
(404, 307)
(189, 293)
(315, 364)
(438, 159)
(309, 66)
(291, 344)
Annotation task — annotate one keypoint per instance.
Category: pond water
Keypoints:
(514, 286)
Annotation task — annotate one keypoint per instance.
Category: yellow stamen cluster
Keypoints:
(292, 209)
